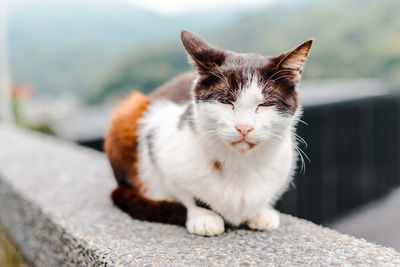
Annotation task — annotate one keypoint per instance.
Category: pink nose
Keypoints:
(244, 129)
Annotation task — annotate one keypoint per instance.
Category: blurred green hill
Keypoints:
(354, 38)
(61, 47)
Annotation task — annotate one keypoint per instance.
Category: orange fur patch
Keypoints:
(121, 146)
(121, 141)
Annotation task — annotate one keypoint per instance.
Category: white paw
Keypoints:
(205, 224)
(266, 219)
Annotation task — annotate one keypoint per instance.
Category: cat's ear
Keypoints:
(202, 55)
(294, 59)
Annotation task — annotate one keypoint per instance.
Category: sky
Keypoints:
(171, 7)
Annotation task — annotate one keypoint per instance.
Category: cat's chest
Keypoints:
(237, 185)
(237, 189)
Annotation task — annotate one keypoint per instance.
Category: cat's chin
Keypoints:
(243, 146)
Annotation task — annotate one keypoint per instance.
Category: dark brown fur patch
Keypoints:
(201, 204)
(279, 89)
(217, 166)
(142, 208)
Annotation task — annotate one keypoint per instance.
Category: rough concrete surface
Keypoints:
(55, 205)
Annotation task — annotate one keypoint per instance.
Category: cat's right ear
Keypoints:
(202, 55)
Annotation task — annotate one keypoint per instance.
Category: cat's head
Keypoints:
(244, 99)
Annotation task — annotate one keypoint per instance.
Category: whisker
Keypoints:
(300, 139)
(272, 76)
(308, 159)
(220, 76)
(305, 123)
(268, 85)
(303, 164)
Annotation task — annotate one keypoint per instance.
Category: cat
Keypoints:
(212, 146)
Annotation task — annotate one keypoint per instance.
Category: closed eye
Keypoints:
(227, 102)
(265, 104)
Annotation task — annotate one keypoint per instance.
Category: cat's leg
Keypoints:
(203, 221)
(266, 218)
(200, 221)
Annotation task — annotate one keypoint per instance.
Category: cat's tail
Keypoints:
(142, 208)
(121, 146)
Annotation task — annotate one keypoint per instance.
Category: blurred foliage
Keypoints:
(43, 127)
(353, 38)
(10, 256)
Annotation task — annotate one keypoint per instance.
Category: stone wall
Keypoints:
(55, 205)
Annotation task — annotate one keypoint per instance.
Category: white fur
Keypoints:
(249, 182)
(204, 222)
(265, 219)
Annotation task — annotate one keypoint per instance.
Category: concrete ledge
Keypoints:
(55, 205)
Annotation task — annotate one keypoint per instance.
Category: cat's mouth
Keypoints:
(243, 145)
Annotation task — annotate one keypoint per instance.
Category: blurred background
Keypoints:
(65, 64)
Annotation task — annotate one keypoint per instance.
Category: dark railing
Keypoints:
(354, 148)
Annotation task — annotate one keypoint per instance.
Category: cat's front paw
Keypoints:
(207, 224)
(266, 219)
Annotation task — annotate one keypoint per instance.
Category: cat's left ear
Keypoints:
(294, 59)
(202, 55)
